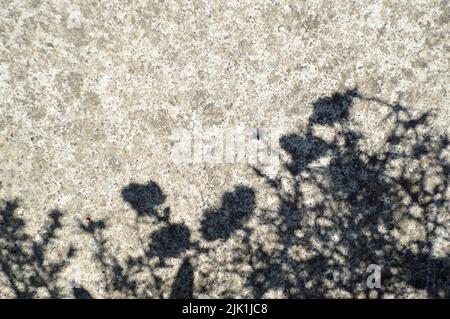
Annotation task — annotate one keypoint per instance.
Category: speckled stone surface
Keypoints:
(91, 94)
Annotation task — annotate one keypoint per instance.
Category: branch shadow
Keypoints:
(367, 199)
(385, 206)
(23, 260)
(169, 240)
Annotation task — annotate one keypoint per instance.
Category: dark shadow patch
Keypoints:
(144, 198)
(303, 150)
(236, 208)
(169, 241)
(81, 293)
(183, 285)
(333, 109)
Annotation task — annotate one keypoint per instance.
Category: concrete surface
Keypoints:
(93, 95)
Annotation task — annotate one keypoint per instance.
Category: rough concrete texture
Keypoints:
(94, 204)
